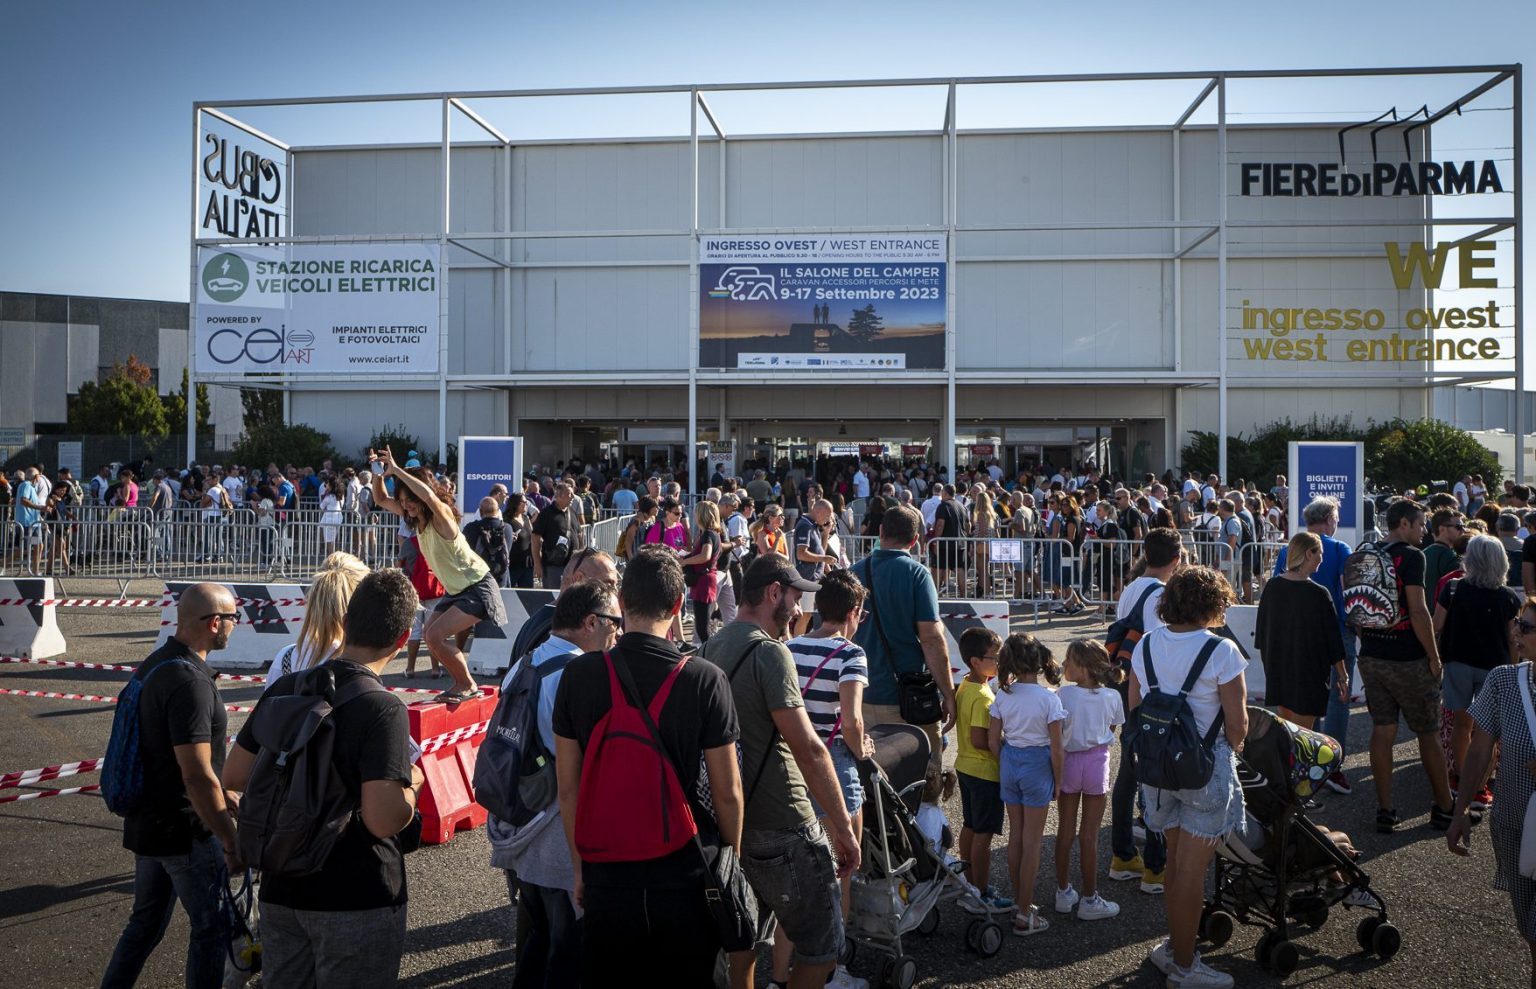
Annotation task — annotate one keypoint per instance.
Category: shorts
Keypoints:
(420, 619)
(482, 600)
(1086, 772)
(1211, 812)
(846, 769)
(1401, 688)
(981, 804)
(1027, 778)
(795, 880)
(1459, 685)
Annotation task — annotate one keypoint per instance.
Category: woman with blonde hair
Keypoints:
(325, 609)
(983, 527)
(1298, 635)
(701, 566)
(768, 532)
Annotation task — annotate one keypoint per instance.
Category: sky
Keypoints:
(96, 97)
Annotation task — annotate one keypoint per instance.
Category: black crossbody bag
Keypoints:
(918, 699)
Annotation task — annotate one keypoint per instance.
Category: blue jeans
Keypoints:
(1336, 721)
(158, 882)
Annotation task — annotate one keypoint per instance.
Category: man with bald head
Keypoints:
(491, 537)
(587, 564)
(184, 834)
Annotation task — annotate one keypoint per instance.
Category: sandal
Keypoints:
(452, 696)
(410, 674)
(1033, 923)
(437, 674)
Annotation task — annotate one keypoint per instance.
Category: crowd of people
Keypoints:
(757, 724)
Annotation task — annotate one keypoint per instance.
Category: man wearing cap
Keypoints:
(784, 850)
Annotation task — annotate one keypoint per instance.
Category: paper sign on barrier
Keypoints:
(30, 630)
(263, 630)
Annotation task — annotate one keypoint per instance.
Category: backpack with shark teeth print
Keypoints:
(1371, 600)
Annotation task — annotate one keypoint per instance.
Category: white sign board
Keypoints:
(1005, 550)
(317, 309)
(70, 456)
(722, 458)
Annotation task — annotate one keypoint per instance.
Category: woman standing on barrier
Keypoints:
(1298, 635)
(472, 595)
(325, 611)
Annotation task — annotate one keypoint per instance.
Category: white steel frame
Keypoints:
(693, 376)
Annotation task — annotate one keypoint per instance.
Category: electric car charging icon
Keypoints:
(225, 277)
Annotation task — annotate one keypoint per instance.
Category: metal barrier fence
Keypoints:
(604, 534)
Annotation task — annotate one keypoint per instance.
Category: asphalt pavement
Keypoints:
(67, 885)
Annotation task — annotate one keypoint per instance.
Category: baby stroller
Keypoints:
(1280, 876)
(902, 880)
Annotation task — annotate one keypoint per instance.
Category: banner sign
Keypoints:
(317, 309)
(914, 449)
(242, 184)
(871, 449)
(983, 449)
(825, 301)
(722, 458)
(485, 461)
(1331, 470)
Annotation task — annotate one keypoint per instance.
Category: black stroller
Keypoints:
(1285, 878)
(902, 880)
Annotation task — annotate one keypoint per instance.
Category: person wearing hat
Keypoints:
(784, 852)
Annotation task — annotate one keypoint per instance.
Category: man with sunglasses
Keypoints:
(1446, 526)
(184, 835)
(536, 857)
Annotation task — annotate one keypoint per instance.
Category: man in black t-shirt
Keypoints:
(948, 524)
(556, 537)
(345, 924)
(177, 837)
(1400, 670)
(646, 922)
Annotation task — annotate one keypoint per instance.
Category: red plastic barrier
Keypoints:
(447, 801)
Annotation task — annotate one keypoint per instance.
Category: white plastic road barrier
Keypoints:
(30, 629)
(490, 651)
(263, 628)
(958, 616)
(1242, 619)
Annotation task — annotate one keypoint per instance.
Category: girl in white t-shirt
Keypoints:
(1094, 712)
(1194, 821)
(1025, 735)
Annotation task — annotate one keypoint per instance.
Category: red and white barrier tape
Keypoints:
(120, 668)
(55, 695)
(38, 794)
(27, 777)
(981, 618)
(140, 602)
(250, 621)
(453, 737)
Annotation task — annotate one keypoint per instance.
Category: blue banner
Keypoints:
(485, 461)
(1329, 470)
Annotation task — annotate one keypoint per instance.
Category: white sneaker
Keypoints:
(843, 979)
(1161, 957)
(1066, 899)
(1096, 907)
(1199, 976)
(1359, 898)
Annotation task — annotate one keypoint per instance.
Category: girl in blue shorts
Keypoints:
(1025, 734)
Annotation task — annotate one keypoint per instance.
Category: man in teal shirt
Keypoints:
(902, 632)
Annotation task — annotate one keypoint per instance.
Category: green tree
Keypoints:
(260, 406)
(865, 324)
(176, 407)
(300, 445)
(1404, 454)
(122, 404)
(396, 438)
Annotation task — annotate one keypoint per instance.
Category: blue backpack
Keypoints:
(122, 771)
(514, 772)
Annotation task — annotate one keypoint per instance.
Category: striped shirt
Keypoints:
(822, 702)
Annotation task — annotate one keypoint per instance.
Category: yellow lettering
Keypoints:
(1470, 262)
(1418, 258)
(1356, 350)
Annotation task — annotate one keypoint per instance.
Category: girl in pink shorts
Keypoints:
(1093, 712)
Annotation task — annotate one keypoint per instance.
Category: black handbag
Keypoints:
(918, 699)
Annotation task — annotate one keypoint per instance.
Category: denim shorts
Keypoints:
(1460, 684)
(981, 804)
(794, 877)
(1027, 777)
(1211, 812)
(847, 772)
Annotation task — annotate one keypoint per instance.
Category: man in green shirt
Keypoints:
(784, 851)
(1447, 526)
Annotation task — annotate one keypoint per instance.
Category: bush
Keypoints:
(1404, 454)
(394, 437)
(299, 445)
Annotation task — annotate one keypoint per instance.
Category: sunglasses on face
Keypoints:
(221, 616)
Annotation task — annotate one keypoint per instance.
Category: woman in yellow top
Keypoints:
(472, 596)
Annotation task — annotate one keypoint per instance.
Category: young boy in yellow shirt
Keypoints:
(981, 798)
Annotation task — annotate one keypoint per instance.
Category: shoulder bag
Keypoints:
(918, 694)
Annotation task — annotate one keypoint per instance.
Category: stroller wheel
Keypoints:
(899, 973)
(1386, 940)
(1283, 958)
(1217, 927)
(1365, 933)
(1261, 949)
(929, 923)
(990, 938)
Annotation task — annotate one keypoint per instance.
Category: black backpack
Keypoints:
(295, 806)
(492, 547)
(514, 772)
(1170, 752)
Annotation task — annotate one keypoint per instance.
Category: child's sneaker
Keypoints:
(995, 901)
(1161, 957)
(1152, 882)
(1123, 869)
(1096, 907)
(1066, 899)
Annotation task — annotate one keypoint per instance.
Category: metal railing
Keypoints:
(604, 534)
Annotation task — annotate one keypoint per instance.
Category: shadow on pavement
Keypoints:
(23, 900)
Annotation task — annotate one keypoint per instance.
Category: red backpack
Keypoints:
(631, 806)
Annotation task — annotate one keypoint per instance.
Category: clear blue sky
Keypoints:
(95, 97)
